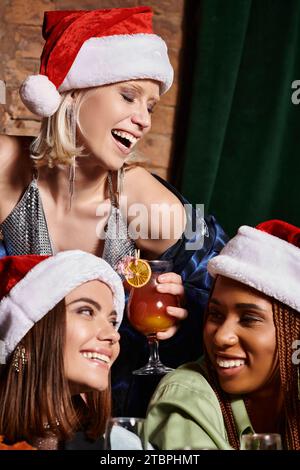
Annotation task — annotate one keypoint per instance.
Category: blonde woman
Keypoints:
(75, 186)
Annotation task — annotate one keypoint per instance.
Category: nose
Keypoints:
(107, 332)
(142, 118)
(225, 335)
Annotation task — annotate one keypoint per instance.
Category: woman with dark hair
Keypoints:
(59, 320)
(248, 379)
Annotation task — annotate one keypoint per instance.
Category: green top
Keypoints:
(185, 412)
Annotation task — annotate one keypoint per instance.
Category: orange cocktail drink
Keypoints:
(147, 307)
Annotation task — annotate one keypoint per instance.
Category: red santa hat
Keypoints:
(266, 257)
(31, 285)
(90, 48)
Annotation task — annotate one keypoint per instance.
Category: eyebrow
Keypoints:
(86, 299)
(240, 305)
(92, 302)
(249, 305)
(139, 90)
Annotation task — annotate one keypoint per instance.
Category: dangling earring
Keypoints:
(19, 359)
(71, 120)
(120, 183)
(48, 130)
(72, 174)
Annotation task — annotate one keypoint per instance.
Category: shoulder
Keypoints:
(141, 186)
(14, 152)
(15, 171)
(185, 411)
(8, 147)
(186, 385)
(11, 145)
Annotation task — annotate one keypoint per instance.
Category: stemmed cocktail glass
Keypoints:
(147, 314)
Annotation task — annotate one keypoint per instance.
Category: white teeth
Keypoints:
(125, 135)
(227, 364)
(95, 355)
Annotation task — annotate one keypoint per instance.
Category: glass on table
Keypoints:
(124, 433)
(147, 313)
(195, 448)
(270, 441)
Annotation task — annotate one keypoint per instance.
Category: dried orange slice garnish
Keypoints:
(137, 273)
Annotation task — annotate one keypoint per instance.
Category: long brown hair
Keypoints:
(38, 397)
(287, 326)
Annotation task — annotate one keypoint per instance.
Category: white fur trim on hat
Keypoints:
(112, 59)
(262, 261)
(46, 284)
(40, 95)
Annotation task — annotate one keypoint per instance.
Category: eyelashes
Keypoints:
(127, 98)
(245, 319)
(86, 311)
(89, 312)
(131, 99)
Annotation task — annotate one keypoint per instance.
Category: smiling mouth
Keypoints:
(94, 356)
(126, 139)
(230, 363)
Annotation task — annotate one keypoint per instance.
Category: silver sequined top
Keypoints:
(25, 229)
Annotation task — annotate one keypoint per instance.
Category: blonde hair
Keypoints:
(56, 143)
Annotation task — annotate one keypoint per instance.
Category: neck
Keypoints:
(89, 181)
(265, 407)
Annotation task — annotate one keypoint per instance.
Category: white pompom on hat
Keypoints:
(31, 285)
(91, 48)
(266, 258)
(40, 95)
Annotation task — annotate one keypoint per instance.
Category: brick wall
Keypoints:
(21, 45)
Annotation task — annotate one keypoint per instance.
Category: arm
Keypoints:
(152, 207)
(11, 150)
(15, 171)
(158, 211)
(190, 265)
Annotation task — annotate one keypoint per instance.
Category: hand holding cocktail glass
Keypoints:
(153, 307)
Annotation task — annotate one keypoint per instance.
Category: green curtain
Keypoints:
(242, 153)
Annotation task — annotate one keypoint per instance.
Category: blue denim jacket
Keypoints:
(2, 250)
